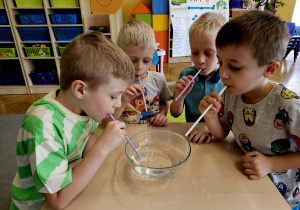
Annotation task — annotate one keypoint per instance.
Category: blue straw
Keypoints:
(188, 85)
(128, 140)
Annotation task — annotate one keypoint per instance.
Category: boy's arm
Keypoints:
(160, 118)
(217, 127)
(111, 138)
(176, 107)
(257, 165)
(131, 91)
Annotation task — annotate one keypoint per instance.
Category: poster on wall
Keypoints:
(183, 13)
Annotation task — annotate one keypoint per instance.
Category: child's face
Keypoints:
(203, 50)
(98, 103)
(141, 59)
(239, 70)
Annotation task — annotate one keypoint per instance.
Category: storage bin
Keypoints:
(29, 3)
(5, 35)
(63, 18)
(61, 49)
(64, 3)
(66, 34)
(32, 18)
(37, 51)
(7, 52)
(3, 19)
(34, 34)
(1, 4)
(15, 79)
(44, 79)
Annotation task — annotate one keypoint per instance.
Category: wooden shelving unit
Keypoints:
(14, 64)
(27, 64)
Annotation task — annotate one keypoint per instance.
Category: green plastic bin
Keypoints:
(29, 3)
(7, 52)
(64, 3)
(61, 49)
(37, 51)
(1, 4)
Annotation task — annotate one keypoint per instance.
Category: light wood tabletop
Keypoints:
(213, 178)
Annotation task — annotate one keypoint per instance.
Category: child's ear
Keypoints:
(271, 69)
(78, 88)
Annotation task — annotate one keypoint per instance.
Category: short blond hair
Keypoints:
(136, 33)
(207, 24)
(262, 32)
(94, 59)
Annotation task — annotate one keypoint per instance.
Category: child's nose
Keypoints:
(223, 73)
(118, 103)
(201, 59)
(139, 65)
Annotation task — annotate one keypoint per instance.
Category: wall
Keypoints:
(286, 12)
(129, 5)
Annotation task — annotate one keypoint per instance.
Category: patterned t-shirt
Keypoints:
(156, 92)
(270, 127)
(49, 139)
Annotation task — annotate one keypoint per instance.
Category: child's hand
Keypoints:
(132, 91)
(112, 136)
(214, 99)
(256, 165)
(200, 135)
(181, 84)
(159, 120)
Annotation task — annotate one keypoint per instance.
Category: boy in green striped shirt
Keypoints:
(57, 152)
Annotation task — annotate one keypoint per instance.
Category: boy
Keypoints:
(202, 34)
(263, 115)
(57, 131)
(137, 39)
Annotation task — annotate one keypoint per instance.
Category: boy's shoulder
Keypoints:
(191, 70)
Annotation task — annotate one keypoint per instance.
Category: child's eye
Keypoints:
(234, 68)
(220, 63)
(113, 97)
(195, 53)
(209, 53)
(147, 61)
(133, 60)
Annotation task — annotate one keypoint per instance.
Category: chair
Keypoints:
(160, 62)
(294, 43)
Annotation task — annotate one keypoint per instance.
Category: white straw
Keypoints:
(206, 110)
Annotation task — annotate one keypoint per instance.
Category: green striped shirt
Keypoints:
(50, 137)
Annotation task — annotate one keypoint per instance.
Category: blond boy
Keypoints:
(57, 152)
(137, 40)
(202, 34)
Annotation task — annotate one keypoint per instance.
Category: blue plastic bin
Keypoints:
(3, 19)
(160, 7)
(44, 79)
(34, 34)
(32, 18)
(237, 4)
(63, 18)
(6, 35)
(15, 79)
(66, 34)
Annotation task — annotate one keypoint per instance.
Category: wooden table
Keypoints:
(212, 178)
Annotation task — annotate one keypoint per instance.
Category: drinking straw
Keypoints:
(143, 94)
(128, 140)
(206, 110)
(188, 85)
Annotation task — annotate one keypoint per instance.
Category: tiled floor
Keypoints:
(288, 74)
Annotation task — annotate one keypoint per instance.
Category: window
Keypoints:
(296, 15)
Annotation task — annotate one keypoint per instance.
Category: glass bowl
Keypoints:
(164, 153)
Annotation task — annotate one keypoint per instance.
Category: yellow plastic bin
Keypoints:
(64, 3)
(1, 4)
(29, 3)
